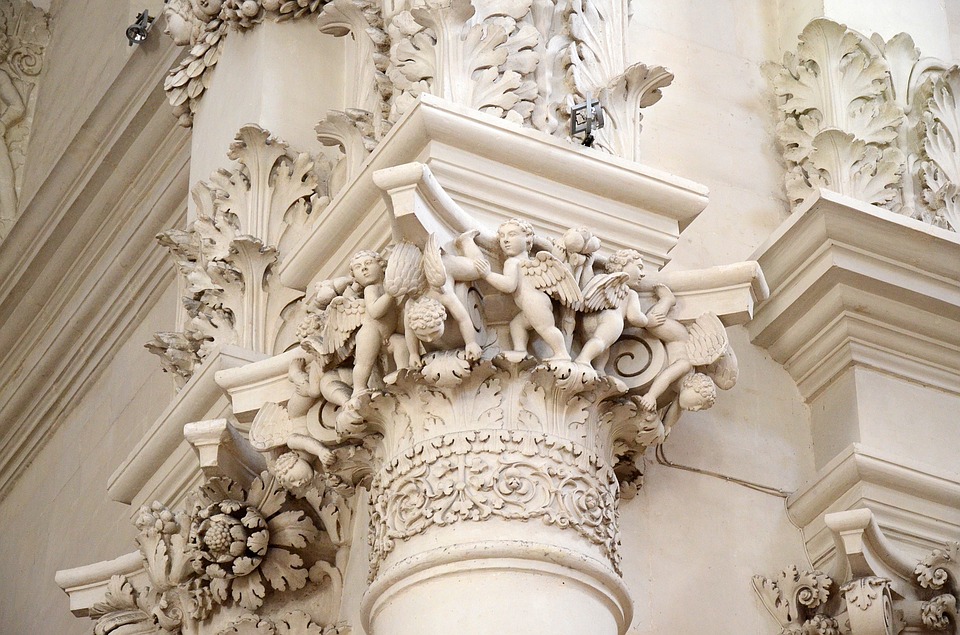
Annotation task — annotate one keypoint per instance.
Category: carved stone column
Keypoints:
(497, 494)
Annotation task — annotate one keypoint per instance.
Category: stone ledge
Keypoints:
(854, 284)
(916, 506)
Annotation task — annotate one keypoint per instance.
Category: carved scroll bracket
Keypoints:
(873, 590)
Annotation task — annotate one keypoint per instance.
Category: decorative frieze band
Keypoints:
(510, 474)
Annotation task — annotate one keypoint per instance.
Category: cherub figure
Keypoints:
(533, 281)
(371, 321)
(611, 302)
(704, 345)
(425, 316)
(289, 445)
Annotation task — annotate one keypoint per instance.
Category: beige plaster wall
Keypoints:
(59, 515)
(691, 541)
(87, 50)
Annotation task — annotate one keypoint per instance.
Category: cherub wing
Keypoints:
(433, 267)
(272, 427)
(404, 274)
(605, 291)
(708, 340)
(725, 370)
(554, 278)
(344, 317)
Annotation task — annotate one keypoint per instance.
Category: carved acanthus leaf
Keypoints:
(793, 596)
(204, 28)
(941, 569)
(940, 155)
(447, 48)
(850, 166)
(25, 31)
(637, 87)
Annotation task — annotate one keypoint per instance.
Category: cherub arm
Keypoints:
(634, 312)
(378, 302)
(509, 280)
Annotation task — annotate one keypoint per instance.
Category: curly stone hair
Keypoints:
(703, 386)
(620, 259)
(368, 253)
(524, 226)
(426, 317)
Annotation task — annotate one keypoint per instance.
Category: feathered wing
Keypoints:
(271, 427)
(605, 291)
(725, 370)
(551, 276)
(708, 340)
(344, 317)
(404, 274)
(433, 268)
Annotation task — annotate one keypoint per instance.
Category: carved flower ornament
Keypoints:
(240, 539)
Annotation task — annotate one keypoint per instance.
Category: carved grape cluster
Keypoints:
(229, 538)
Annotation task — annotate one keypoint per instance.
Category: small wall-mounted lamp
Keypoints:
(585, 118)
(137, 32)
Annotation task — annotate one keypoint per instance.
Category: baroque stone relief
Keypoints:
(866, 595)
(526, 61)
(227, 257)
(215, 563)
(24, 34)
(467, 415)
(872, 120)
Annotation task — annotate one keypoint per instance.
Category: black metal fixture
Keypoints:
(585, 118)
(137, 32)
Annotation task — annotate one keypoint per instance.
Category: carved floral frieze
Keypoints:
(872, 120)
(24, 34)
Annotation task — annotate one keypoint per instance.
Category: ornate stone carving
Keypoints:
(292, 623)
(806, 604)
(939, 162)
(227, 258)
(797, 599)
(232, 548)
(203, 25)
(870, 119)
(24, 34)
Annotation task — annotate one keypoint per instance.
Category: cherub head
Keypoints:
(516, 237)
(697, 392)
(292, 470)
(426, 317)
(367, 267)
(629, 261)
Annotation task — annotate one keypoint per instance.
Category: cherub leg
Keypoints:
(455, 308)
(334, 389)
(608, 329)
(518, 333)
(401, 354)
(365, 355)
(664, 380)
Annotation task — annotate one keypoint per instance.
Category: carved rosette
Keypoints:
(870, 119)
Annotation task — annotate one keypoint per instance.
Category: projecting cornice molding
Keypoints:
(917, 505)
(854, 284)
(478, 157)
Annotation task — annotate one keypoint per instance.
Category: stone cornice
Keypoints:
(618, 195)
(915, 504)
(87, 585)
(855, 284)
